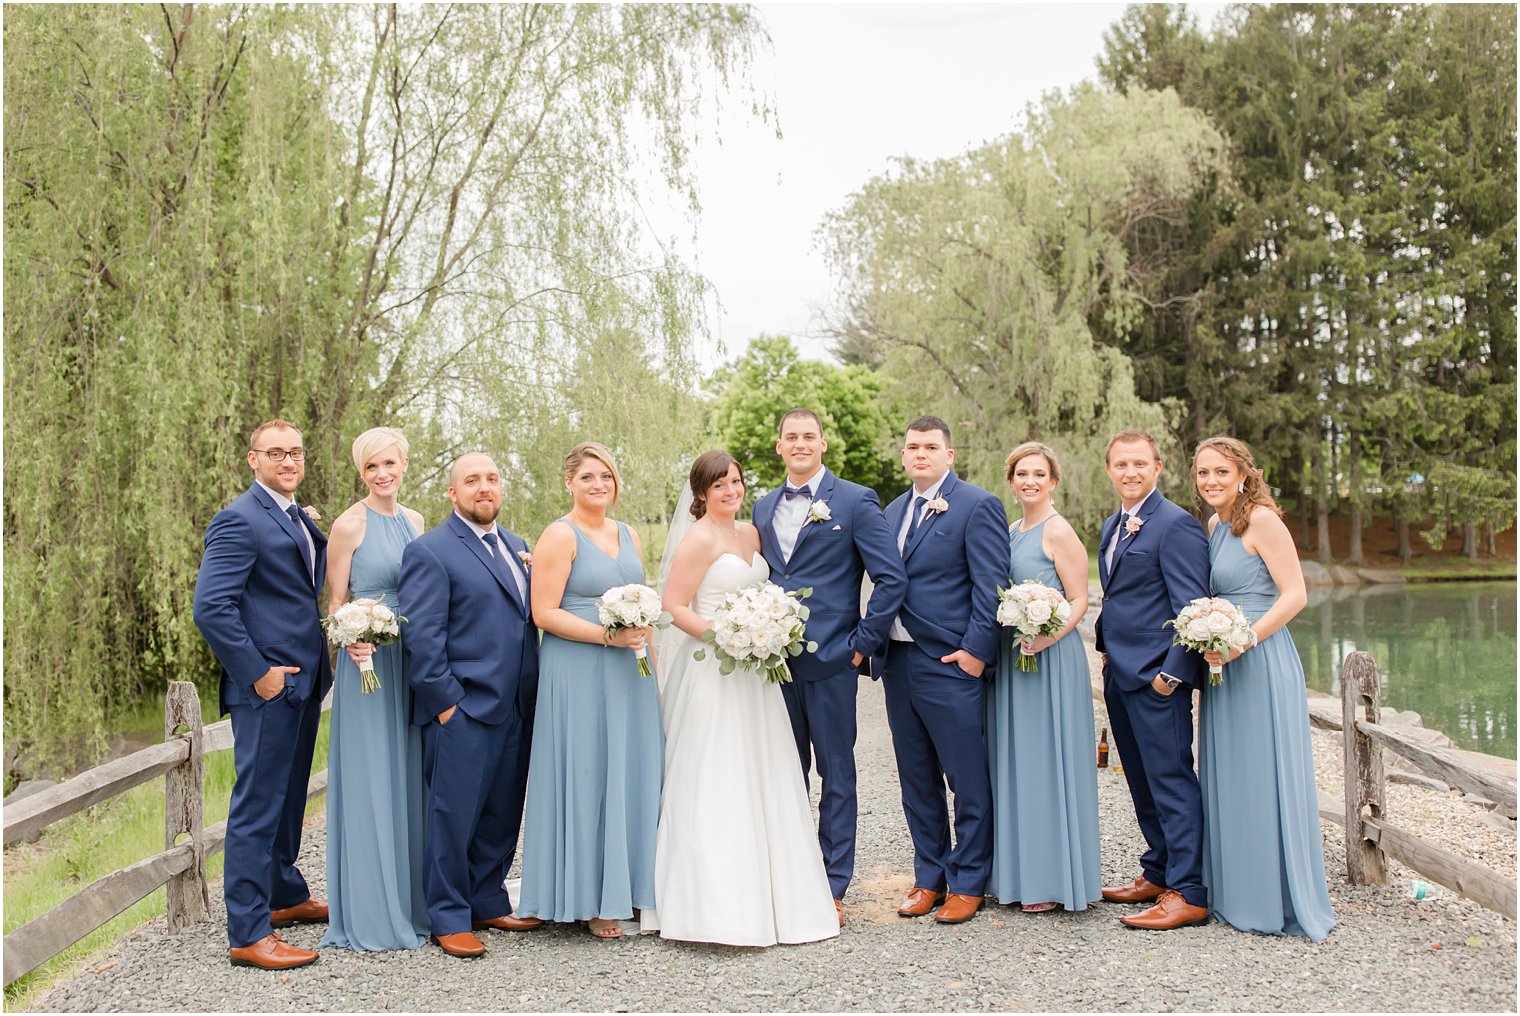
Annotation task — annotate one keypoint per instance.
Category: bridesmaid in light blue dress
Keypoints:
(1263, 858)
(375, 794)
(1040, 724)
(594, 776)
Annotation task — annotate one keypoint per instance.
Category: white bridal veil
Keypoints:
(666, 641)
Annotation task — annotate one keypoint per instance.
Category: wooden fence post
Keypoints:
(187, 896)
(1365, 863)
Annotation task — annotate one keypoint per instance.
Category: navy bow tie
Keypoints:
(789, 492)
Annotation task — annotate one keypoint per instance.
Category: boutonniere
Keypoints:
(1132, 525)
(311, 513)
(819, 511)
(525, 557)
(938, 505)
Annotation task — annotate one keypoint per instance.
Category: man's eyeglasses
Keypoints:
(280, 454)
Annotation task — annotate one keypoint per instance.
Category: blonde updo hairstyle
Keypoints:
(376, 440)
(1255, 494)
(595, 450)
(1027, 449)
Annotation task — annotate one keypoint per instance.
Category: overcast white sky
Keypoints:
(855, 85)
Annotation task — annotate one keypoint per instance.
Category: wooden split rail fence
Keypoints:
(181, 867)
(1371, 837)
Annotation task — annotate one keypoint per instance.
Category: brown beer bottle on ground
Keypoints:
(1103, 749)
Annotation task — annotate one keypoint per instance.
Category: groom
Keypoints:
(1153, 559)
(256, 606)
(954, 543)
(474, 674)
(824, 533)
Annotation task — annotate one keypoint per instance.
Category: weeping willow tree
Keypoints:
(344, 216)
(975, 281)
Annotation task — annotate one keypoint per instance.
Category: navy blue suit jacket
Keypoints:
(255, 601)
(468, 636)
(1156, 573)
(830, 557)
(955, 563)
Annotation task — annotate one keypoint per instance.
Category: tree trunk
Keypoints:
(1354, 552)
(1470, 540)
(1401, 527)
(1493, 543)
(1321, 509)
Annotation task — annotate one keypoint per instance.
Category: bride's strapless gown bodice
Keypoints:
(737, 860)
(727, 575)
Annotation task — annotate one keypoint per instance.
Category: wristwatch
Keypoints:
(1170, 681)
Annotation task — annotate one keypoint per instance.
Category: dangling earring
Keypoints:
(1241, 489)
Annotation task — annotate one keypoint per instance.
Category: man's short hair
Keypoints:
(253, 438)
(924, 424)
(1128, 437)
(799, 411)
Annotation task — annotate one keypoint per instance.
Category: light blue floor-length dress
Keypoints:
(1263, 858)
(374, 758)
(593, 807)
(1042, 757)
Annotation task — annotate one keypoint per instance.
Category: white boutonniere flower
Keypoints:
(1132, 525)
(312, 513)
(525, 557)
(819, 511)
(938, 505)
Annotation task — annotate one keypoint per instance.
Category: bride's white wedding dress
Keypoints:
(737, 860)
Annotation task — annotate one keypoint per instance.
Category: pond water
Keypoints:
(1444, 649)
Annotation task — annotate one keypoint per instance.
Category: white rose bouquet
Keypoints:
(1032, 609)
(759, 627)
(633, 606)
(363, 620)
(1212, 624)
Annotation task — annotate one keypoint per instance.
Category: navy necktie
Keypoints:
(500, 564)
(295, 516)
(917, 510)
(789, 492)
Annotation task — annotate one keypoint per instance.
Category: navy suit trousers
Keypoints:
(272, 746)
(823, 724)
(1154, 737)
(938, 721)
(476, 774)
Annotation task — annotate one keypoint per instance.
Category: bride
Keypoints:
(736, 861)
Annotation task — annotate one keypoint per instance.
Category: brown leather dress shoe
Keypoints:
(1171, 911)
(839, 908)
(310, 912)
(1139, 891)
(511, 922)
(462, 943)
(919, 902)
(269, 953)
(959, 908)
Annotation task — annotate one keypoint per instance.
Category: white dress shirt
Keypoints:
(284, 503)
(791, 515)
(514, 567)
(898, 633)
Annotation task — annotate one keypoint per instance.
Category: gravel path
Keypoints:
(1388, 953)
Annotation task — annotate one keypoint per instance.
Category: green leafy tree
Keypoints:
(769, 379)
(979, 277)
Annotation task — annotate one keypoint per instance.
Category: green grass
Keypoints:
(82, 848)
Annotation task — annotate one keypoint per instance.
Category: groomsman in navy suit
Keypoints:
(256, 605)
(954, 543)
(824, 533)
(1153, 559)
(473, 651)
